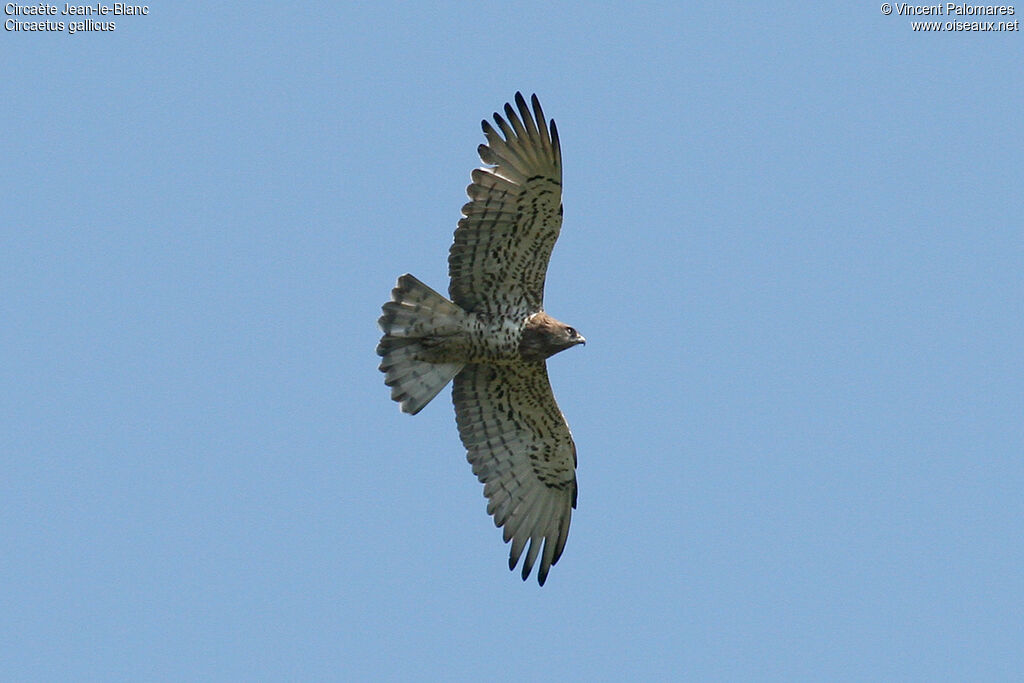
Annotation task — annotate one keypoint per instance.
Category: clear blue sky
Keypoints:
(793, 238)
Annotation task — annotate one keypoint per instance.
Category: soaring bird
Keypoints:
(493, 337)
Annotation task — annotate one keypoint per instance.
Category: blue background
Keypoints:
(793, 238)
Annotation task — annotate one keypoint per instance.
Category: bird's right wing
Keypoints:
(499, 260)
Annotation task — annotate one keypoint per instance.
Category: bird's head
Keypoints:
(543, 337)
(570, 337)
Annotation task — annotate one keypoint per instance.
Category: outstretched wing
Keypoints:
(504, 240)
(520, 447)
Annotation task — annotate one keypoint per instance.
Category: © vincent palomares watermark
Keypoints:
(993, 18)
(70, 18)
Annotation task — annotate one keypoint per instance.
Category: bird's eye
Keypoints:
(571, 331)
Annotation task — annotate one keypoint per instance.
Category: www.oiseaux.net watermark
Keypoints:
(956, 17)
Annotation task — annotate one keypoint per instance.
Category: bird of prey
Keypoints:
(493, 337)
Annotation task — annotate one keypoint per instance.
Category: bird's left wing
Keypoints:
(520, 447)
(499, 259)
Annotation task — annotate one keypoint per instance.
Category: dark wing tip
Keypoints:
(532, 126)
(538, 113)
(542, 574)
(506, 129)
(521, 104)
(484, 152)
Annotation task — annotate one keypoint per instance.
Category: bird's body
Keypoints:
(493, 338)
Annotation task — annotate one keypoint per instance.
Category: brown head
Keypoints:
(543, 337)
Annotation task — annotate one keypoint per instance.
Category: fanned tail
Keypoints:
(414, 320)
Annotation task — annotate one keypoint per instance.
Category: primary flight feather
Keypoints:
(493, 337)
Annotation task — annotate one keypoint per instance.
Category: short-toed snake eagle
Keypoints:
(493, 337)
